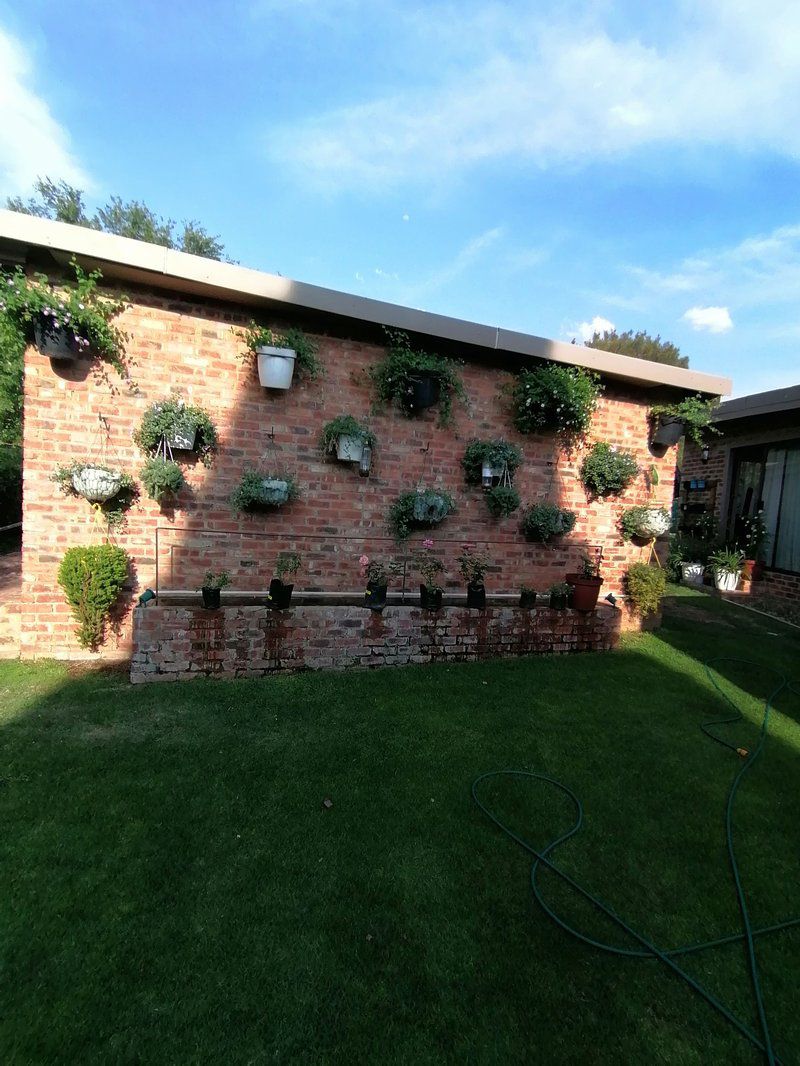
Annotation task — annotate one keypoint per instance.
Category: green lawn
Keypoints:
(174, 892)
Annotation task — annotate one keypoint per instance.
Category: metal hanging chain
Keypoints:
(271, 453)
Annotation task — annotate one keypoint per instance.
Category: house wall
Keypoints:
(187, 345)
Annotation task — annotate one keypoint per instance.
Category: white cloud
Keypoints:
(470, 253)
(584, 331)
(727, 74)
(32, 143)
(711, 319)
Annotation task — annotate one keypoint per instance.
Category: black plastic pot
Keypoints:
(430, 599)
(476, 596)
(280, 595)
(558, 601)
(375, 596)
(527, 599)
(668, 431)
(210, 598)
(422, 390)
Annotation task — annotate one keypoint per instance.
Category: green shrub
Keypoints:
(92, 579)
(555, 397)
(645, 587)
(390, 376)
(695, 412)
(606, 471)
(255, 337)
(502, 500)
(436, 504)
(543, 521)
(163, 418)
(344, 426)
(494, 452)
(161, 478)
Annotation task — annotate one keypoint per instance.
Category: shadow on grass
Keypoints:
(174, 890)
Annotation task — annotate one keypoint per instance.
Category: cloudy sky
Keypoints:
(548, 168)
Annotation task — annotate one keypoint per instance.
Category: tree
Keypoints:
(639, 345)
(64, 203)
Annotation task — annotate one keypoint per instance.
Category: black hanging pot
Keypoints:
(280, 595)
(668, 431)
(210, 598)
(476, 596)
(422, 390)
(527, 598)
(430, 599)
(375, 596)
(558, 601)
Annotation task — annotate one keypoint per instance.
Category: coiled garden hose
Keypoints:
(646, 949)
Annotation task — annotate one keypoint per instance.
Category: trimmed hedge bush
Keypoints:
(92, 579)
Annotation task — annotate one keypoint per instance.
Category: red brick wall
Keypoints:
(188, 345)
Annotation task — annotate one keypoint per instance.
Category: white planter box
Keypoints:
(349, 449)
(726, 580)
(692, 573)
(276, 490)
(95, 484)
(276, 367)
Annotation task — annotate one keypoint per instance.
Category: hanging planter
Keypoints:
(96, 483)
(667, 430)
(162, 478)
(555, 398)
(416, 380)
(257, 491)
(646, 523)
(110, 491)
(430, 507)
(543, 521)
(173, 424)
(486, 461)
(422, 509)
(278, 354)
(607, 471)
(692, 417)
(59, 345)
(347, 438)
(422, 390)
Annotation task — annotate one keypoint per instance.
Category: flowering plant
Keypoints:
(554, 397)
(427, 564)
(756, 535)
(472, 565)
(376, 571)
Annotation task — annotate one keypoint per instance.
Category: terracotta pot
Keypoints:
(752, 570)
(585, 591)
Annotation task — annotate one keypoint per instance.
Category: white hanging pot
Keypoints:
(275, 367)
(182, 438)
(96, 484)
(349, 449)
(276, 490)
(653, 523)
(692, 573)
(57, 346)
(726, 580)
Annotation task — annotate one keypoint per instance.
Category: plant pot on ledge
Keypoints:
(430, 599)
(280, 594)
(527, 599)
(586, 591)
(375, 596)
(752, 570)
(558, 601)
(211, 598)
(476, 596)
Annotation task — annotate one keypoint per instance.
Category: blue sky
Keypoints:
(539, 167)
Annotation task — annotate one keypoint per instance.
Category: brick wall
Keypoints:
(188, 345)
(179, 642)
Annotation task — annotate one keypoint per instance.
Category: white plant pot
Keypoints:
(95, 484)
(692, 573)
(276, 367)
(182, 440)
(276, 490)
(726, 580)
(654, 523)
(349, 449)
(57, 346)
(489, 471)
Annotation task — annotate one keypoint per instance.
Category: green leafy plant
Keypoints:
(555, 397)
(705, 528)
(344, 426)
(643, 521)
(645, 587)
(684, 548)
(428, 565)
(92, 579)
(165, 418)
(252, 495)
(543, 521)
(589, 567)
(375, 570)
(419, 510)
(161, 478)
(113, 509)
(213, 580)
(727, 561)
(560, 588)
(695, 412)
(306, 361)
(287, 563)
(76, 308)
(472, 565)
(528, 589)
(402, 362)
(498, 453)
(606, 471)
(755, 535)
(502, 500)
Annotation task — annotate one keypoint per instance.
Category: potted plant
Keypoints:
(277, 354)
(644, 523)
(726, 566)
(110, 492)
(559, 595)
(692, 416)
(415, 380)
(645, 587)
(92, 579)
(527, 597)
(555, 397)
(543, 521)
(607, 471)
(258, 491)
(280, 593)
(419, 510)
(430, 567)
(346, 436)
(173, 424)
(211, 588)
(692, 572)
(486, 461)
(472, 565)
(585, 585)
(756, 536)
(502, 500)
(162, 478)
(377, 575)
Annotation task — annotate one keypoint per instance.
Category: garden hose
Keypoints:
(646, 949)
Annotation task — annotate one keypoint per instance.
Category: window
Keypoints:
(767, 478)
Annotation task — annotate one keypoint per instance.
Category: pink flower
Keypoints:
(363, 560)
(427, 543)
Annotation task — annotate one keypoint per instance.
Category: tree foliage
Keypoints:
(640, 345)
(62, 202)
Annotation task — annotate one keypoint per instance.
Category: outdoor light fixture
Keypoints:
(612, 599)
(146, 596)
(486, 475)
(366, 461)
(704, 453)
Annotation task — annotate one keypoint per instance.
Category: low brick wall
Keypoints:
(183, 642)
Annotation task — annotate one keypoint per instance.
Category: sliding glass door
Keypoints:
(767, 479)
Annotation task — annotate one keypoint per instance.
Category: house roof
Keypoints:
(138, 262)
(758, 404)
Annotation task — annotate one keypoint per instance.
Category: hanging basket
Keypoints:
(653, 522)
(59, 346)
(275, 367)
(668, 431)
(430, 508)
(182, 438)
(349, 449)
(275, 491)
(422, 391)
(96, 484)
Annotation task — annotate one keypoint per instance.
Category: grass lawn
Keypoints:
(172, 890)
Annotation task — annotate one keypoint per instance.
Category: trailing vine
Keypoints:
(391, 376)
(306, 361)
(555, 397)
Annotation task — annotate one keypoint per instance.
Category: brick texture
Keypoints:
(188, 345)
